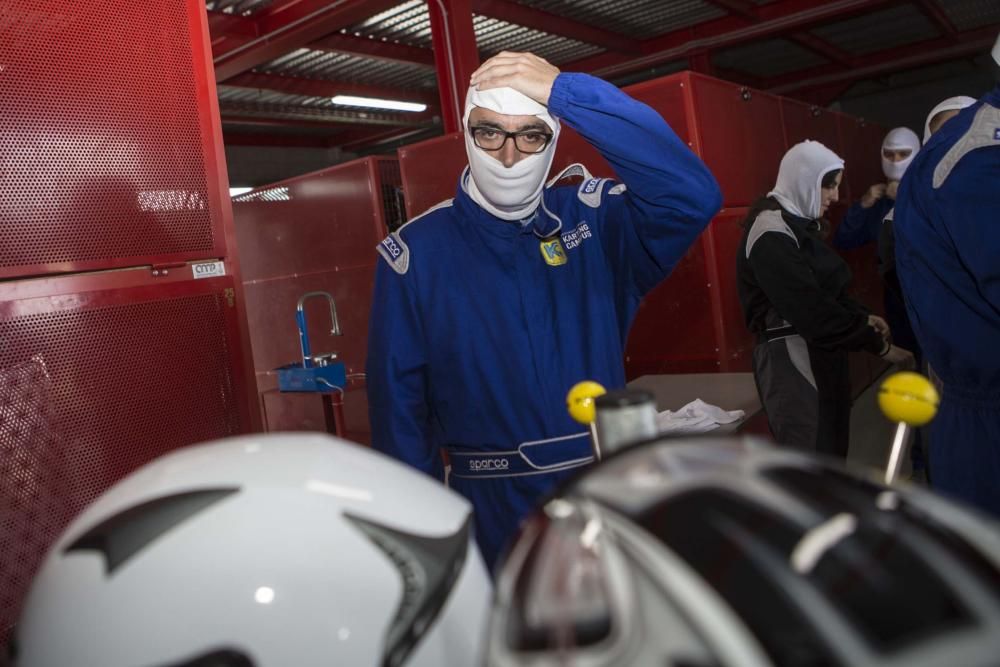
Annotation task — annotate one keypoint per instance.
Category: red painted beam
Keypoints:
(236, 138)
(283, 123)
(563, 26)
(328, 88)
(777, 19)
(937, 15)
(897, 59)
(291, 25)
(375, 49)
(221, 24)
(455, 56)
(351, 140)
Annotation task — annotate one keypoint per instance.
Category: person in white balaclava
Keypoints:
(943, 112)
(948, 260)
(793, 288)
(863, 219)
(489, 307)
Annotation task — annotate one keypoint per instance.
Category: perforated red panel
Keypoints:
(103, 137)
(94, 385)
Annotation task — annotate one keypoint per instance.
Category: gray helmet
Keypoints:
(733, 552)
(263, 551)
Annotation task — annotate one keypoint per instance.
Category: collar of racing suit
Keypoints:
(544, 222)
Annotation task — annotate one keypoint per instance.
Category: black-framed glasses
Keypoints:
(493, 139)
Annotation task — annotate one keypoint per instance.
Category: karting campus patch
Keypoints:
(552, 252)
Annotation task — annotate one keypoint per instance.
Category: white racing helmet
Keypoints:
(262, 551)
(734, 553)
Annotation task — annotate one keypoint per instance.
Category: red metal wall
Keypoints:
(111, 352)
(692, 322)
(316, 232)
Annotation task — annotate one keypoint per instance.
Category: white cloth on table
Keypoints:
(695, 417)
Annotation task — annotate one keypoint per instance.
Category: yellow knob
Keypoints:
(580, 401)
(908, 397)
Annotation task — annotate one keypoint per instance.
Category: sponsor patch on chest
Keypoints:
(552, 252)
(573, 238)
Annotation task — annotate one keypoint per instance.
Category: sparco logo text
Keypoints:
(489, 464)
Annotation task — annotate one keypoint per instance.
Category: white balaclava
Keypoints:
(800, 178)
(951, 104)
(899, 139)
(514, 193)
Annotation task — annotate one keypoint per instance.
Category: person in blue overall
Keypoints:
(490, 306)
(948, 259)
(863, 220)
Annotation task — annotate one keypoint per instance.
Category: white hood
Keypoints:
(508, 193)
(951, 104)
(900, 138)
(800, 178)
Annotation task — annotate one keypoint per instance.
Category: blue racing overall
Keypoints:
(948, 259)
(480, 326)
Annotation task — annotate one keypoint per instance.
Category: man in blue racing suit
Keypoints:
(948, 259)
(490, 306)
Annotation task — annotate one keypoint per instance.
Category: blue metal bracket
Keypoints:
(316, 373)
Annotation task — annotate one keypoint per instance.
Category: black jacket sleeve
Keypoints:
(788, 281)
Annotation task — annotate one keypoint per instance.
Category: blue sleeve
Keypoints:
(396, 375)
(861, 225)
(670, 194)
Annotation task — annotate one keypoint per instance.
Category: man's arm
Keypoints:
(860, 226)
(396, 375)
(671, 195)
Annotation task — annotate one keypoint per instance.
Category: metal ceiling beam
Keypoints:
(291, 25)
(294, 85)
(937, 15)
(351, 140)
(234, 112)
(748, 11)
(375, 49)
(777, 19)
(889, 61)
(741, 8)
(231, 25)
(232, 137)
(824, 48)
(263, 122)
(553, 24)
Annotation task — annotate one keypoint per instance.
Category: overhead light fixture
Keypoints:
(236, 192)
(376, 103)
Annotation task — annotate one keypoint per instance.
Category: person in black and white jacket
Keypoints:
(793, 291)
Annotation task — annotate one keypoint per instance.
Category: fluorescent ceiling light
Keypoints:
(375, 103)
(235, 192)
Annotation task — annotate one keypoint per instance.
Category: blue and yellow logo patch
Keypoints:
(552, 252)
